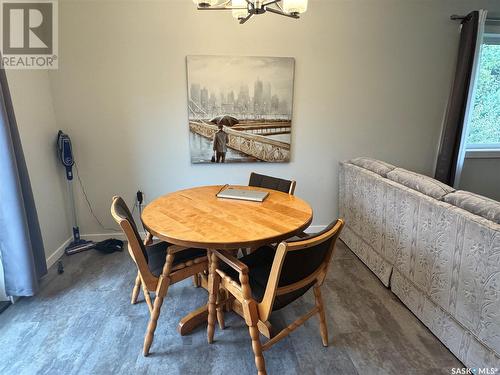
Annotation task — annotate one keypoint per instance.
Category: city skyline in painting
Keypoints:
(264, 89)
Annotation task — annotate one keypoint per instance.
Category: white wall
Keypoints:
(372, 78)
(482, 176)
(32, 100)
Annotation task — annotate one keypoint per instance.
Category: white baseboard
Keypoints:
(97, 237)
(59, 252)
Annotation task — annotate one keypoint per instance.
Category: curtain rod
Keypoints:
(455, 17)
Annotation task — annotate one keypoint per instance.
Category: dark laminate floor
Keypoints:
(82, 323)
(4, 305)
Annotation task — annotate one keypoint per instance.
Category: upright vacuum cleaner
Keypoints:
(66, 156)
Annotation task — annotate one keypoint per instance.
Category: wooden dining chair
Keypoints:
(147, 242)
(264, 282)
(274, 183)
(159, 265)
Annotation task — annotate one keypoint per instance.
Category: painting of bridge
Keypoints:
(257, 92)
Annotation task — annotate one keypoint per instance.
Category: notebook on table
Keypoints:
(244, 195)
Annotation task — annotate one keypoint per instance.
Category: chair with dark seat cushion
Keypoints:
(157, 254)
(159, 265)
(274, 183)
(259, 265)
(268, 280)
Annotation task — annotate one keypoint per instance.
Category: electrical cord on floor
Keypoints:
(137, 203)
(140, 197)
(140, 218)
(133, 206)
(88, 201)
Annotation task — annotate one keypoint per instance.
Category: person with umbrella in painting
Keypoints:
(221, 138)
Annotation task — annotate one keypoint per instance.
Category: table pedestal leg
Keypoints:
(200, 315)
(193, 320)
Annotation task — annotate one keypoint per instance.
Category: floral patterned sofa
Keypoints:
(437, 249)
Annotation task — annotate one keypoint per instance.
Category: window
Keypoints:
(484, 132)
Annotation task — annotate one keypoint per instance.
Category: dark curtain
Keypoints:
(455, 115)
(21, 245)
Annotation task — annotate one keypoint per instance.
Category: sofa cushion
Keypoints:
(475, 204)
(423, 184)
(379, 167)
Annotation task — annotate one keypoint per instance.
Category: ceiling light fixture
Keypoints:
(243, 10)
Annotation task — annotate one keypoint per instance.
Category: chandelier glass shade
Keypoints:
(240, 13)
(243, 10)
(295, 6)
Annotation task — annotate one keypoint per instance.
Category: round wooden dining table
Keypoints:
(197, 218)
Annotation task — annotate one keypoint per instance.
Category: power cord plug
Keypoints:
(140, 197)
